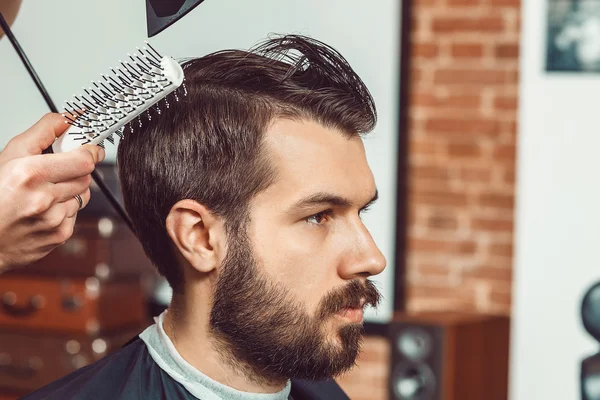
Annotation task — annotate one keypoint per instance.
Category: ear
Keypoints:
(197, 233)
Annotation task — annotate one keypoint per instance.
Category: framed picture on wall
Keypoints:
(573, 36)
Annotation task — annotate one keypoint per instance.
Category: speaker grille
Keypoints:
(416, 359)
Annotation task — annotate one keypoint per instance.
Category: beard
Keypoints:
(259, 328)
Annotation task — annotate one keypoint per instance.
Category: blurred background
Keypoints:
(488, 212)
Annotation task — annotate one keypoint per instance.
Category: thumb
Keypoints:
(35, 139)
(97, 152)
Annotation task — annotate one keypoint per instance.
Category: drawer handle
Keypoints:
(9, 304)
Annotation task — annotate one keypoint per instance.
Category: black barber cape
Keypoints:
(132, 374)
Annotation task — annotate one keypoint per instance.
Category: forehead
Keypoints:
(309, 157)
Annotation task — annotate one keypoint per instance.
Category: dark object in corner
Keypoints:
(160, 14)
(590, 366)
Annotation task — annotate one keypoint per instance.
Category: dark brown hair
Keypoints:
(207, 145)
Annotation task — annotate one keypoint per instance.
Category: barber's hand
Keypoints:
(37, 192)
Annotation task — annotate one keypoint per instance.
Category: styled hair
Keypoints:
(207, 145)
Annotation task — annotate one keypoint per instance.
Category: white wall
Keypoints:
(557, 220)
(71, 42)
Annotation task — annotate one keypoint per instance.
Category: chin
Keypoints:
(347, 335)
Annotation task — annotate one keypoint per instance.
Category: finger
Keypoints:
(65, 230)
(64, 191)
(96, 151)
(55, 236)
(37, 138)
(63, 167)
(50, 219)
(72, 204)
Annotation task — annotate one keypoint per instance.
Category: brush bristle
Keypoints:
(114, 100)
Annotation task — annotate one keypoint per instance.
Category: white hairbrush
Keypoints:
(117, 99)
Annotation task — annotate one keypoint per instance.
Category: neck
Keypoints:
(188, 328)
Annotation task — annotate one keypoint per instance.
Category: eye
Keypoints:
(319, 218)
(363, 210)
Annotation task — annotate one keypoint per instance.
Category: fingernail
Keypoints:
(101, 154)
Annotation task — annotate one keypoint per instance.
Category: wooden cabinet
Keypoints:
(79, 304)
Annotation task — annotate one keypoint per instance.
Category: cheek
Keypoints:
(297, 261)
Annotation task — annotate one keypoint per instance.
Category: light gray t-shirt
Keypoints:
(165, 355)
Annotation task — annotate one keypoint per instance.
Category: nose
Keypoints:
(363, 257)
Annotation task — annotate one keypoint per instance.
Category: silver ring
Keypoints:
(79, 200)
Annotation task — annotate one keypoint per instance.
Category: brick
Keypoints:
(422, 98)
(497, 200)
(451, 304)
(467, 50)
(507, 51)
(512, 77)
(416, 75)
(510, 126)
(475, 174)
(420, 24)
(442, 246)
(422, 195)
(370, 371)
(506, 3)
(508, 103)
(443, 220)
(432, 270)
(501, 296)
(491, 274)
(376, 344)
(463, 2)
(501, 249)
(373, 351)
(492, 225)
(424, 49)
(468, 24)
(462, 111)
(505, 152)
(415, 23)
(423, 147)
(462, 101)
(425, 98)
(508, 176)
(455, 76)
(429, 172)
(415, 119)
(466, 127)
(464, 150)
(411, 219)
(421, 76)
(443, 297)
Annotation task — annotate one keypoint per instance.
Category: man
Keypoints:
(246, 193)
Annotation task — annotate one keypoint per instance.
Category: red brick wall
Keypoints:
(462, 134)
(462, 117)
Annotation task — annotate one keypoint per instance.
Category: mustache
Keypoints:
(349, 296)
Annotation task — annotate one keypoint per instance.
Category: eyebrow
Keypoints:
(324, 198)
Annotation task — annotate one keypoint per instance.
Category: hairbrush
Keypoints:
(118, 98)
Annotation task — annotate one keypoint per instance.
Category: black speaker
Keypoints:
(590, 366)
(449, 356)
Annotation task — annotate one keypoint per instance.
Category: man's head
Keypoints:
(251, 187)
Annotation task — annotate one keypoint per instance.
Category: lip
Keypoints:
(351, 314)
